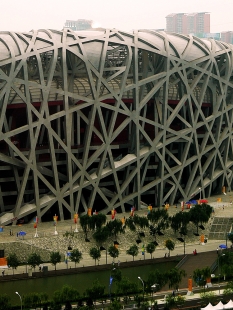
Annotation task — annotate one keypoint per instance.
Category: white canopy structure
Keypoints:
(219, 306)
(229, 305)
(208, 307)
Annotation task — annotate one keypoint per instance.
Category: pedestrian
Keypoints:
(223, 207)
(217, 251)
(3, 273)
(10, 233)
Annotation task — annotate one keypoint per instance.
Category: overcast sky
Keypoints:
(25, 15)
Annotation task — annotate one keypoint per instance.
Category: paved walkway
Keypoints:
(47, 240)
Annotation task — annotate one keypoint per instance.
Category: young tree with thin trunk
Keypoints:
(95, 254)
(13, 261)
(55, 258)
(150, 248)
(76, 256)
(170, 245)
(133, 251)
(34, 260)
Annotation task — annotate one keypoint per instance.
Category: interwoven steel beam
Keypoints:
(108, 119)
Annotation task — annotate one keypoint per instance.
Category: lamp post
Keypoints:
(20, 299)
(110, 283)
(154, 288)
(142, 285)
(219, 272)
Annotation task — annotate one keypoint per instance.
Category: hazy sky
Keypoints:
(25, 15)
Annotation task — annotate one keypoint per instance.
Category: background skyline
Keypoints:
(26, 15)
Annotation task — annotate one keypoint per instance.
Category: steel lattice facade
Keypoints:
(107, 119)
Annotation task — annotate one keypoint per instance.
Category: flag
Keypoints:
(113, 213)
(55, 218)
(132, 211)
(35, 220)
(75, 218)
(143, 250)
(110, 280)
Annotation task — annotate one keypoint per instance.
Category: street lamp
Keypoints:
(20, 299)
(110, 283)
(200, 192)
(142, 285)
(219, 272)
(154, 288)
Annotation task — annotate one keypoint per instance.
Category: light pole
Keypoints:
(110, 283)
(154, 288)
(142, 285)
(219, 273)
(20, 299)
(200, 192)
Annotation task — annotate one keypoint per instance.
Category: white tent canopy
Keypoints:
(229, 305)
(219, 306)
(208, 307)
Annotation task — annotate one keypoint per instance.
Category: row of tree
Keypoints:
(123, 288)
(156, 221)
(75, 256)
(122, 291)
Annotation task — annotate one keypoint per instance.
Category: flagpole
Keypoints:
(36, 234)
(55, 223)
(76, 222)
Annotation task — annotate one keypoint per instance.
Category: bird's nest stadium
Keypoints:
(108, 119)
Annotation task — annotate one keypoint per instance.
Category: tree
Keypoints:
(125, 287)
(13, 261)
(95, 254)
(34, 300)
(158, 220)
(55, 258)
(137, 223)
(156, 277)
(200, 214)
(150, 248)
(170, 245)
(113, 252)
(133, 251)
(5, 302)
(115, 305)
(67, 293)
(76, 256)
(96, 291)
(174, 277)
(34, 260)
(85, 224)
(97, 221)
(179, 220)
(101, 235)
(115, 227)
(198, 277)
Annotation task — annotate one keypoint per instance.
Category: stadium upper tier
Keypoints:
(108, 119)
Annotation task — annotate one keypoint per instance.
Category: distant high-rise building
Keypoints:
(80, 24)
(187, 23)
(227, 36)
